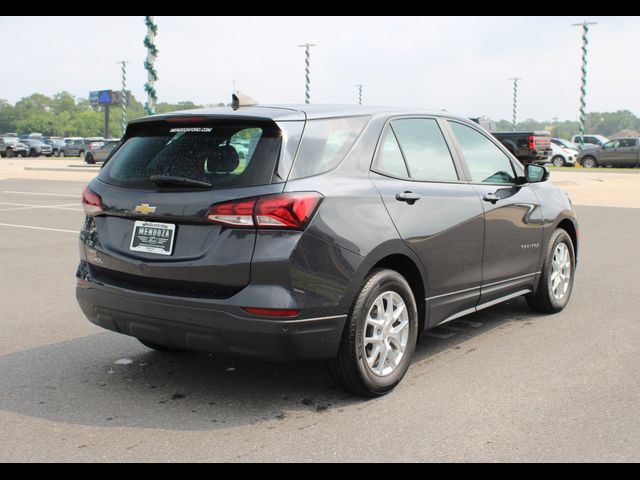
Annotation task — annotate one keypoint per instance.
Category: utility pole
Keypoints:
(359, 87)
(515, 101)
(583, 70)
(307, 70)
(125, 99)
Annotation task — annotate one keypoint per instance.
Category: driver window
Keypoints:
(610, 145)
(486, 162)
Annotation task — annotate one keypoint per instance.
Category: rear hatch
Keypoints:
(152, 234)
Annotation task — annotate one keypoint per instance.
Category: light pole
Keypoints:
(125, 100)
(515, 101)
(307, 70)
(152, 75)
(583, 70)
(359, 87)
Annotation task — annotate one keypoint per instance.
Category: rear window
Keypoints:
(224, 155)
(325, 143)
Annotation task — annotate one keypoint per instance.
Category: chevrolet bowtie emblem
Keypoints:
(145, 209)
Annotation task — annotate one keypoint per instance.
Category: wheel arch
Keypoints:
(568, 226)
(410, 269)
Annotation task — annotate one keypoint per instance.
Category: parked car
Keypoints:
(77, 147)
(589, 141)
(528, 147)
(561, 142)
(56, 144)
(11, 147)
(562, 156)
(36, 148)
(621, 152)
(100, 153)
(347, 233)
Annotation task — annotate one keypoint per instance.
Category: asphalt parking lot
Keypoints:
(501, 385)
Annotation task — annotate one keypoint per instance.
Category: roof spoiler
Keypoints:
(241, 100)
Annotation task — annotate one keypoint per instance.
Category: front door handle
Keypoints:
(408, 197)
(491, 197)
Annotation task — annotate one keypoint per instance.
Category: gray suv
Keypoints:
(100, 153)
(35, 147)
(343, 234)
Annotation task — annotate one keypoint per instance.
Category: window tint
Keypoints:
(486, 162)
(425, 150)
(325, 143)
(628, 142)
(390, 158)
(204, 152)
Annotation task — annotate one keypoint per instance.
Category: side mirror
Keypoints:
(536, 173)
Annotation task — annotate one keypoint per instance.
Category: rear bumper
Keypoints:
(188, 325)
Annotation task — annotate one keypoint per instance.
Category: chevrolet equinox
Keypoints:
(316, 232)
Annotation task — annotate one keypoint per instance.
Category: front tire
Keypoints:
(558, 161)
(558, 273)
(61, 154)
(379, 337)
(589, 162)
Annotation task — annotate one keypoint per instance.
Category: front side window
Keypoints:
(325, 143)
(486, 162)
(425, 150)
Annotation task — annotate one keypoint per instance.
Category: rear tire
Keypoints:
(372, 360)
(159, 348)
(89, 160)
(560, 263)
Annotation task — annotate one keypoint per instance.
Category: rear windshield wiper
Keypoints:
(170, 180)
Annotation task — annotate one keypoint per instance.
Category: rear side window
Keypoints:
(425, 150)
(390, 160)
(221, 154)
(325, 143)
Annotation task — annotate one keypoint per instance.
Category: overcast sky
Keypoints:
(460, 64)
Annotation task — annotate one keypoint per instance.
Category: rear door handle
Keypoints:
(408, 197)
(491, 197)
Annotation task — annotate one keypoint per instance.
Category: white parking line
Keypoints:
(42, 194)
(39, 228)
(28, 206)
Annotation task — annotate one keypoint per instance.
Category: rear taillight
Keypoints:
(286, 211)
(91, 202)
(532, 142)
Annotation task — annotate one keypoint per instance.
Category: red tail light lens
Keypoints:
(272, 312)
(532, 142)
(91, 202)
(285, 211)
(290, 210)
(238, 214)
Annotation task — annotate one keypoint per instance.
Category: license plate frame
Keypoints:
(157, 239)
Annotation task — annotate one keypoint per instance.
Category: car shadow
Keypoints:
(108, 380)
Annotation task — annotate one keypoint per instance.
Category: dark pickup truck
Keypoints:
(528, 147)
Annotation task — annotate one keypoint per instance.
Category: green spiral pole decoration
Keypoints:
(307, 71)
(125, 100)
(152, 75)
(359, 87)
(515, 102)
(583, 72)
